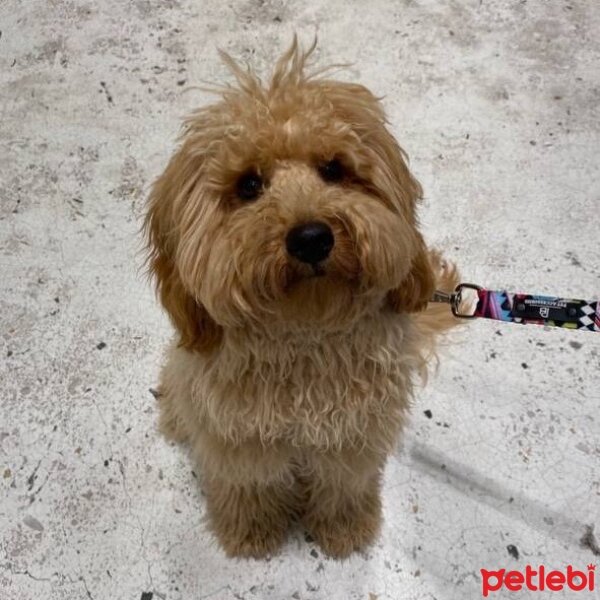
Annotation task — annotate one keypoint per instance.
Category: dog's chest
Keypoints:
(326, 391)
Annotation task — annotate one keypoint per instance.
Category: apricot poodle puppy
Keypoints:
(284, 242)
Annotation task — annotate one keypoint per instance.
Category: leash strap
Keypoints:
(567, 313)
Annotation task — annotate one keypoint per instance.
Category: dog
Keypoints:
(284, 242)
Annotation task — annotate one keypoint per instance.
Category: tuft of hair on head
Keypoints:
(291, 70)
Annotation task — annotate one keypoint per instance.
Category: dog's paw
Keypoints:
(255, 542)
(339, 538)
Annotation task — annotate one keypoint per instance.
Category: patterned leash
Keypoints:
(524, 308)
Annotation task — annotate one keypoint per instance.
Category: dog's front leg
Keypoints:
(343, 512)
(250, 494)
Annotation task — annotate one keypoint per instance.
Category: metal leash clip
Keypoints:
(455, 299)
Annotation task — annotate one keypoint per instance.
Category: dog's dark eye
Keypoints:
(249, 186)
(332, 171)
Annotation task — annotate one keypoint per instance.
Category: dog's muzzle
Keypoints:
(310, 242)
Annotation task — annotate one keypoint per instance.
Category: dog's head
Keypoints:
(286, 203)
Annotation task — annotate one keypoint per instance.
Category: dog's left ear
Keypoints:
(405, 192)
(416, 290)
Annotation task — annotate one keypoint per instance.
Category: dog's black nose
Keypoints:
(310, 242)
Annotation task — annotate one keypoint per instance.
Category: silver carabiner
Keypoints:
(457, 299)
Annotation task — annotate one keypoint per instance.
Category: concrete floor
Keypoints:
(497, 104)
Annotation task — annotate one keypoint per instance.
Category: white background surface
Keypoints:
(497, 104)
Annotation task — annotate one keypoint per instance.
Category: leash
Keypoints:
(527, 309)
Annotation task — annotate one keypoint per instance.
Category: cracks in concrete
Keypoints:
(210, 594)
(28, 573)
(144, 552)
(87, 589)
(51, 578)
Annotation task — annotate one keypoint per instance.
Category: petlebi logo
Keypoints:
(538, 580)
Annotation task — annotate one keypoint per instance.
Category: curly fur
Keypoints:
(291, 385)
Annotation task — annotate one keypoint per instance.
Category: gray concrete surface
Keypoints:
(497, 104)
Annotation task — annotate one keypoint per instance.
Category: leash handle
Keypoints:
(528, 309)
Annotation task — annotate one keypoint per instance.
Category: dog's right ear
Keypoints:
(196, 328)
